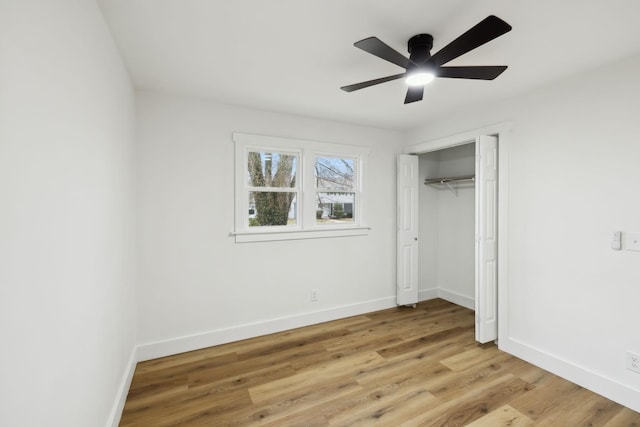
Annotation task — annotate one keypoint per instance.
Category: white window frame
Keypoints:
(307, 151)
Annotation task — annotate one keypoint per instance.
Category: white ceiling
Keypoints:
(293, 55)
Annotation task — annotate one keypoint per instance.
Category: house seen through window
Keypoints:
(335, 189)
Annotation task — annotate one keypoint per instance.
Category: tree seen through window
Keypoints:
(274, 174)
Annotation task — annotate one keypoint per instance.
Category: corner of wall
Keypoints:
(123, 390)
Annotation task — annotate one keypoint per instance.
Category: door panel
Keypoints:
(486, 238)
(407, 230)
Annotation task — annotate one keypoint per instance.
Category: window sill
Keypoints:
(269, 236)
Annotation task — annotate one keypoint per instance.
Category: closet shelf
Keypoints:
(430, 181)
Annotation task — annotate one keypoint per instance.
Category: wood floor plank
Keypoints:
(257, 363)
(184, 411)
(428, 343)
(534, 375)
(470, 357)
(594, 411)
(504, 416)
(297, 402)
(198, 384)
(399, 370)
(386, 410)
(177, 374)
(181, 359)
(459, 382)
(279, 345)
(398, 367)
(625, 418)
(303, 419)
(344, 367)
(472, 405)
(361, 402)
(545, 398)
(361, 341)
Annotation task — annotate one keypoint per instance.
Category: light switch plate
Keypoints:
(616, 240)
(632, 241)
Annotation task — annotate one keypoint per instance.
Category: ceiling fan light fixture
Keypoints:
(419, 78)
(422, 67)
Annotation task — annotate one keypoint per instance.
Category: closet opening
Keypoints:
(446, 236)
(448, 228)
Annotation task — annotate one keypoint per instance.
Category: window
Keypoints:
(335, 189)
(293, 189)
(272, 188)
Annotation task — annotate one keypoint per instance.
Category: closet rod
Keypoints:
(452, 179)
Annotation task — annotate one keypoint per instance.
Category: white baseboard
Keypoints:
(594, 381)
(456, 298)
(183, 344)
(123, 391)
(427, 294)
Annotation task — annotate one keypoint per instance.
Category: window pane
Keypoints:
(335, 173)
(272, 208)
(335, 208)
(271, 169)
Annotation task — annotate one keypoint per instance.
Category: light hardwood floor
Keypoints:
(396, 367)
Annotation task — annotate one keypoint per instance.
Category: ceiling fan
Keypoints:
(421, 67)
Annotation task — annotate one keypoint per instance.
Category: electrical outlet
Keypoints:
(314, 295)
(633, 362)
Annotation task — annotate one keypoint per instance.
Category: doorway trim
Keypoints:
(504, 131)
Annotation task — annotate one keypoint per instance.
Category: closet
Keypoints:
(447, 227)
(446, 237)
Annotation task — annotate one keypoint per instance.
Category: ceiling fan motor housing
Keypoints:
(420, 48)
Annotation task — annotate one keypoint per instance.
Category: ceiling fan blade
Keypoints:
(362, 85)
(414, 93)
(476, 73)
(376, 47)
(483, 32)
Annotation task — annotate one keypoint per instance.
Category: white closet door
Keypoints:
(407, 232)
(486, 238)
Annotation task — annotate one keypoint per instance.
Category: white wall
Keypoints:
(67, 318)
(427, 228)
(447, 227)
(573, 179)
(456, 231)
(197, 286)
